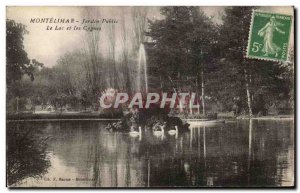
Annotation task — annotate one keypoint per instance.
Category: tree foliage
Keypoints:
(183, 48)
(17, 61)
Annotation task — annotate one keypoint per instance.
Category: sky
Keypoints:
(47, 46)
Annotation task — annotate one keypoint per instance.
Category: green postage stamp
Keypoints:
(269, 36)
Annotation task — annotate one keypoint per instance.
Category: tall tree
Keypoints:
(93, 63)
(183, 44)
(17, 65)
(139, 16)
(170, 50)
(125, 54)
(17, 61)
(112, 55)
(202, 40)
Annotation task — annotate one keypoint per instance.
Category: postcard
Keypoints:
(150, 97)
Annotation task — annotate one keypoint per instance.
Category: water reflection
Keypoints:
(26, 153)
(84, 154)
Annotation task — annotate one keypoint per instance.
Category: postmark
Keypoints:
(269, 36)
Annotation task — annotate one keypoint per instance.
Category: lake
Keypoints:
(84, 154)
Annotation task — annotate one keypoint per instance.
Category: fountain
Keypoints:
(142, 66)
(145, 117)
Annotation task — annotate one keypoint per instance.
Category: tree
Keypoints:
(17, 65)
(169, 50)
(233, 42)
(93, 62)
(183, 45)
(202, 40)
(112, 56)
(17, 61)
(139, 16)
(125, 54)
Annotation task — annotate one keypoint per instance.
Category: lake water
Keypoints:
(84, 154)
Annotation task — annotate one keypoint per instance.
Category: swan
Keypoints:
(173, 131)
(159, 132)
(135, 133)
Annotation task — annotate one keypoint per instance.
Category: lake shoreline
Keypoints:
(268, 117)
(113, 116)
(64, 116)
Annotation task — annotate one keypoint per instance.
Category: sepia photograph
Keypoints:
(150, 97)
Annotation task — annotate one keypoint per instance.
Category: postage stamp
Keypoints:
(269, 36)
